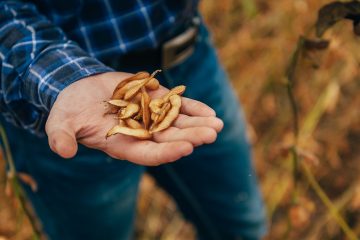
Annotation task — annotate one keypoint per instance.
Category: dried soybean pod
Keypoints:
(153, 84)
(138, 133)
(130, 110)
(145, 100)
(153, 116)
(112, 108)
(118, 102)
(133, 90)
(178, 90)
(137, 98)
(133, 123)
(121, 123)
(137, 76)
(120, 93)
(117, 95)
(172, 114)
(155, 105)
(165, 108)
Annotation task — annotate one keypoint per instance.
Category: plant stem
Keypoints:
(19, 192)
(327, 202)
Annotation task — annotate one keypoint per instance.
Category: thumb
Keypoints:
(62, 142)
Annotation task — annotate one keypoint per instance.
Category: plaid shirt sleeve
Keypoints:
(37, 61)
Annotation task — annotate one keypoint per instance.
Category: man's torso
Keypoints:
(105, 28)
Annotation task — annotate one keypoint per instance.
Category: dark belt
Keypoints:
(168, 54)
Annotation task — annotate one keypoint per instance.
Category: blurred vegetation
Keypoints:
(256, 40)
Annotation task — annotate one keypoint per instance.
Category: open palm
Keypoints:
(78, 116)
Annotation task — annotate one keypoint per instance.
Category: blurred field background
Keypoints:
(256, 39)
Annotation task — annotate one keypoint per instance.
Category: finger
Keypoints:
(184, 121)
(195, 108)
(149, 153)
(62, 142)
(196, 135)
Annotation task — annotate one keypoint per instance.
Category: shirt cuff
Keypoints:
(55, 69)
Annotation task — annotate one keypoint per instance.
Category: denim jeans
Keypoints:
(93, 196)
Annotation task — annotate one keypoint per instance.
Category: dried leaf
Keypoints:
(9, 191)
(332, 97)
(355, 202)
(138, 133)
(315, 44)
(332, 13)
(28, 180)
(309, 157)
(298, 216)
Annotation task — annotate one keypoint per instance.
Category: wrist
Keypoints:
(56, 69)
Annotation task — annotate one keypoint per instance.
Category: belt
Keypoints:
(168, 54)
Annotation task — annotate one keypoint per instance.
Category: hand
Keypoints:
(78, 116)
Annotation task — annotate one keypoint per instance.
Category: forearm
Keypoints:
(37, 61)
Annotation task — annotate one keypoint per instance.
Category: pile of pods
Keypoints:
(139, 115)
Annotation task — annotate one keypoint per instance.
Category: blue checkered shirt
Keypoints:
(45, 45)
